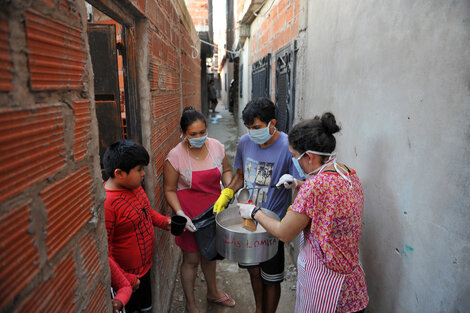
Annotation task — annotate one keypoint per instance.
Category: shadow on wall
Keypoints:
(382, 237)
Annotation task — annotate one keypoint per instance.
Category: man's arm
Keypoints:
(237, 181)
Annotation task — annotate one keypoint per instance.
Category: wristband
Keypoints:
(256, 209)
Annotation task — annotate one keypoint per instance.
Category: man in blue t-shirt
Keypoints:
(263, 160)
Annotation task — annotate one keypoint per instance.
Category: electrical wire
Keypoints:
(194, 49)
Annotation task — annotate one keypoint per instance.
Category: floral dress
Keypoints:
(335, 207)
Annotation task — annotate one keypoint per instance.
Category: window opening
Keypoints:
(285, 82)
(260, 78)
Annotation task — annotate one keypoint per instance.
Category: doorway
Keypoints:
(112, 49)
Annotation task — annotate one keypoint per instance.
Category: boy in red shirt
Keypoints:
(130, 219)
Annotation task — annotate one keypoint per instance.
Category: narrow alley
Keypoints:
(232, 279)
(381, 87)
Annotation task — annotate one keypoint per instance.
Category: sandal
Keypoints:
(226, 300)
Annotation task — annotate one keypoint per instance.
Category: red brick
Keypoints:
(56, 56)
(91, 259)
(31, 147)
(82, 115)
(6, 65)
(19, 259)
(68, 204)
(153, 75)
(98, 300)
(158, 106)
(55, 295)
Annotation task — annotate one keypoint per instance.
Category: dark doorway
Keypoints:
(113, 59)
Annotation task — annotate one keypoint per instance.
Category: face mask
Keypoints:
(309, 175)
(260, 136)
(197, 142)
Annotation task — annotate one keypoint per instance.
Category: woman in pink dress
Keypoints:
(193, 171)
(327, 211)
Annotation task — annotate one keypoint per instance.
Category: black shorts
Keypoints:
(272, 270)
(141, 299)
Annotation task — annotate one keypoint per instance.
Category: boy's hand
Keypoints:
(136, 285)
(189, 224)
(168, 224)
(223, 200)
(117, 305)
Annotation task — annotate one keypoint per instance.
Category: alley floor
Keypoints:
(230, 278)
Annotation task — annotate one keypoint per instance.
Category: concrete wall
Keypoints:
(226, 76)
(53, 253)
(396, 75)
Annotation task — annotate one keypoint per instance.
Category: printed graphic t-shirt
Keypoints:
(263, 167)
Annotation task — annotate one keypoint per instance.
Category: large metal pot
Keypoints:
(240, 245)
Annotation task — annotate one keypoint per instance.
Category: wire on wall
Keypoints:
(195, 52)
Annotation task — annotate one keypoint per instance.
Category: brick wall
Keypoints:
(174, 79)
(53, 247)
(274, 31)
(199, 11)
(53, 243)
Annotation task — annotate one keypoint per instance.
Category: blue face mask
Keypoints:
(260, 136)
(197, 142)
(297, 165)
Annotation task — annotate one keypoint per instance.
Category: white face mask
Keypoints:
(260, 136)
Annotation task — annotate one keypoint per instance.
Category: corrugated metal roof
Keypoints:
(56, 295)
(68, 204)
(5, 60)
(56, 53)
(31, 147)
(19, 259)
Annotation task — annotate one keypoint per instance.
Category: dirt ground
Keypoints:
(236, 282)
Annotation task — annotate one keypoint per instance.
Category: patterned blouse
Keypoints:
(335, 209)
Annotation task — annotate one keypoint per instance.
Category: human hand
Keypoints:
(136, 285)
(246, 209)
(189, 224)
(117, 305)
(223, 200)
(288, 181)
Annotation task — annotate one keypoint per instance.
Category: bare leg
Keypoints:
(257, 286)
(271, 296)
(188, 278)
(208, 268)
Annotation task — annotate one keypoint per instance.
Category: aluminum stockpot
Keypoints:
(243, 246)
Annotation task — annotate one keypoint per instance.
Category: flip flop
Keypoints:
(226, 300)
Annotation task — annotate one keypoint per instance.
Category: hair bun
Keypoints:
(188, 108)
(328, 121)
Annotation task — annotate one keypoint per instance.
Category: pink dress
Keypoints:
(198, 184)
(332, 239)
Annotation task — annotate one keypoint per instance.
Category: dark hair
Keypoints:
(189, 116)
(124, 155)
(315, 134)
(261, 108)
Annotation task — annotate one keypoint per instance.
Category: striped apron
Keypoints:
(318, 288)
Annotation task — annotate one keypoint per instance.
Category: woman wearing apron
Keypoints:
(327, 211)
(192, 174)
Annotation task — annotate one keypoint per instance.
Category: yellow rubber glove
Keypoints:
(223, 200)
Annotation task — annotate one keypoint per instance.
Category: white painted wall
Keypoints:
(246, 81)
(224, 86)
(396, 75)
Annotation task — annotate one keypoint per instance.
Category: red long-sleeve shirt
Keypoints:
(129, 223)
(119, 282)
